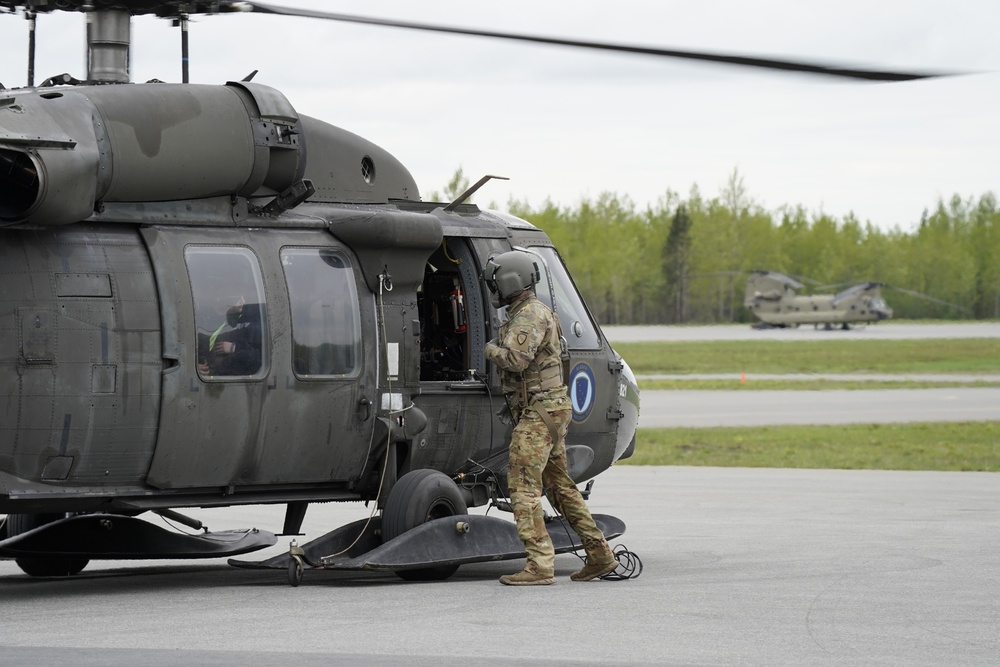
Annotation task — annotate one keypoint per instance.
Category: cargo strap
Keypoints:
(550, 377)
(540, 410)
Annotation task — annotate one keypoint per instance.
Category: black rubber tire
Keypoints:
(417, 497)
(294, 572)
(38, 566)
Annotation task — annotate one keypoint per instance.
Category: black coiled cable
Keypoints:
(629, 565)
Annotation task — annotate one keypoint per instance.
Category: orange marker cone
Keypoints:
(743, 378)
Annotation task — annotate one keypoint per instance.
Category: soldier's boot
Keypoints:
(600, 561)
(529, 576)
(594, 570)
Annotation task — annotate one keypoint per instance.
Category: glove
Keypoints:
(506, 418)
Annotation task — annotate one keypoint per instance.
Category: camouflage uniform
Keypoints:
(529, 348)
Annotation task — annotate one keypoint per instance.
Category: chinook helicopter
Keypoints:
(211, 300)
(774, 300)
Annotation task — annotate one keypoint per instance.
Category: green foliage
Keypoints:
(619, 256)
(676, 265)
(930, 446)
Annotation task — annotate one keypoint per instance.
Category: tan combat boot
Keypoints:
(529, 576)
(593, 570)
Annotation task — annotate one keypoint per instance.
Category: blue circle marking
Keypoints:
(581, 391)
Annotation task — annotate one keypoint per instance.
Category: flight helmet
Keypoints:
(510, 273)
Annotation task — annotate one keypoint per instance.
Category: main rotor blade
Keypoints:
(745, 61)
(921, 295)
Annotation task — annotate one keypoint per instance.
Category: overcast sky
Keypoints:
(566, 124)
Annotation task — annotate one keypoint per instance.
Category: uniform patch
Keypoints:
(581, 391)
(522, 338)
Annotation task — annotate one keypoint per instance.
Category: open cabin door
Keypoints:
(453, 375)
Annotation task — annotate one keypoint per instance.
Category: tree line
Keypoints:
(686, 260)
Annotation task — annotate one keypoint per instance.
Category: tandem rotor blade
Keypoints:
(745, 61)
(925, 297)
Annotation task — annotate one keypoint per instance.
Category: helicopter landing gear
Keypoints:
(40, 566)
(417, 497)
(428, 551)
(295, 570)
(296, 564)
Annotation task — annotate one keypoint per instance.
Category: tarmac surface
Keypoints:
(882, 331)
(741, 567)
(708, 408)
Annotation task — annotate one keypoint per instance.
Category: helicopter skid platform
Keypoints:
(118, 537)
(450, 541)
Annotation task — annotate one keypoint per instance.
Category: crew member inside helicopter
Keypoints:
(229, 310)
(234, 347)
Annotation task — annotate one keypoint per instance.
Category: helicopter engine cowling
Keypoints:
(62, 153)
(172, 142)
(48, 162)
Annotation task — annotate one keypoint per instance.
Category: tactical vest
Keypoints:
(545, 371)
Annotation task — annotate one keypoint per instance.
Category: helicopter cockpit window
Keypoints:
(229, 311)
(577, 326)
(326, 317)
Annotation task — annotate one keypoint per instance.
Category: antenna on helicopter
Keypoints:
(471, 191)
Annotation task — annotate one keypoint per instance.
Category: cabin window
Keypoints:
(326, 317)
(577, 326)
(229, 311)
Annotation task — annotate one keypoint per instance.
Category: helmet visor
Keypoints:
(490, 275)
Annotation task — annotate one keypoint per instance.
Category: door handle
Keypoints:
(365, 408)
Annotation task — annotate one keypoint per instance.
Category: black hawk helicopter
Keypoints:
(210, 299)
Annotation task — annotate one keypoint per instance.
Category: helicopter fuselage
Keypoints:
(821, 309)
(209, 300)
(772, 298)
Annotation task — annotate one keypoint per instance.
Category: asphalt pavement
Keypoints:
(740, 567)
(708, 408)
(882, 331)
(703, 408)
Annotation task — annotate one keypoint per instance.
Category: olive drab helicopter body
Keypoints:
(209, 299)
(145, 226)
(774, 300)
(372, 317)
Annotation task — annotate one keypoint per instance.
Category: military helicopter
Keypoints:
(211, 299)
(774, 300)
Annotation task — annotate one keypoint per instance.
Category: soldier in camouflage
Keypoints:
(528, 354)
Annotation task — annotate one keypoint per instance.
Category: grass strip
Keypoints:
(968, 355)
(964, 446)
